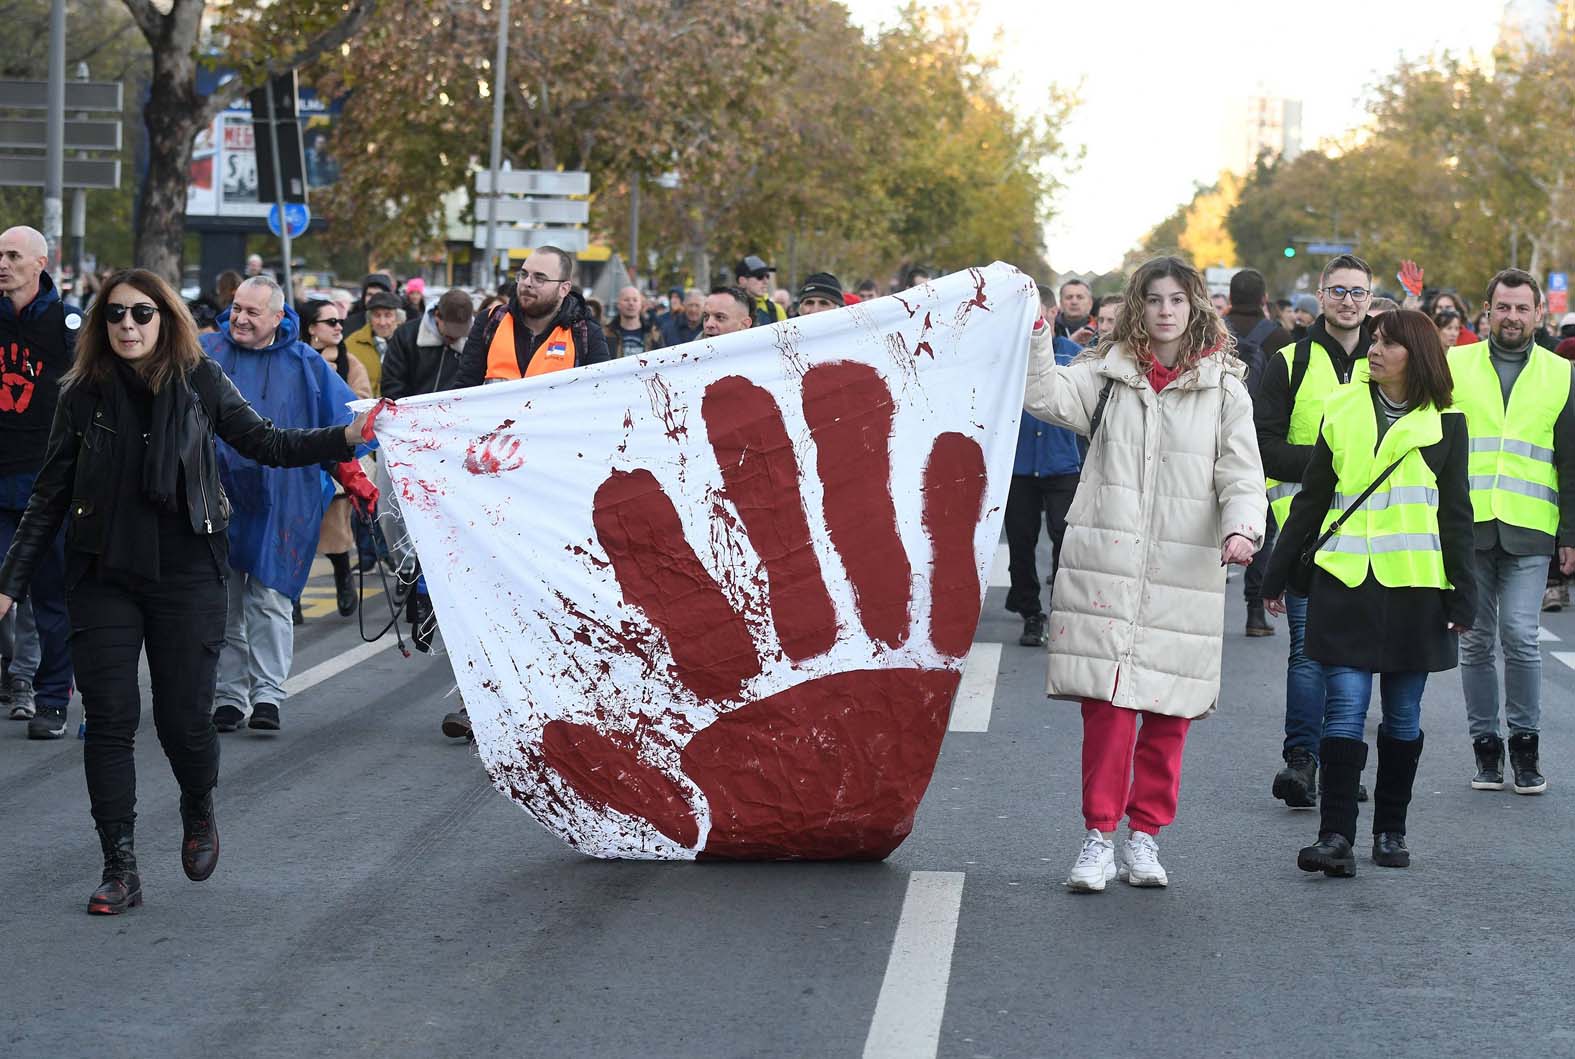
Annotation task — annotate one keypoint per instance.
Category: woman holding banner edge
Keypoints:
(1172, 492)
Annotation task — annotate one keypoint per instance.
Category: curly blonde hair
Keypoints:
(1206, 333)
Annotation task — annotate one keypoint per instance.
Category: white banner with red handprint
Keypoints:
(714, 601)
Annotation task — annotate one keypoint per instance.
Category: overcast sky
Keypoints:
(1159, 82)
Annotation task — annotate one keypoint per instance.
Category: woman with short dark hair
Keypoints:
(132, 473)
(1391, 586)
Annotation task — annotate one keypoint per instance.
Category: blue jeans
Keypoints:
(1304, 683)
(1350, 692)
(1509, 606)
(46, 593)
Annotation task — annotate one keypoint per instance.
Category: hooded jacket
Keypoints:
(419, 359)
(37, 347)
(1138, 607)
(277, 510)
(590, 344)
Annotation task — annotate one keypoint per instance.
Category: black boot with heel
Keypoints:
(120, 887)
(199, 846)
(1342, 761)
(1397, 760)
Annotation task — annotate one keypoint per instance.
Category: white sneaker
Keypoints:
(1140, 864)
(1095, 865)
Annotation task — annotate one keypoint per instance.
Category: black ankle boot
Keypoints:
(1342, 761)
(1397, 760)
(345, 597)
(120, 887)
(199, 846)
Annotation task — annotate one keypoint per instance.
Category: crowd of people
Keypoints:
(1400, 490)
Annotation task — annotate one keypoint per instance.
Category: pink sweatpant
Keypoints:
(1128, 771)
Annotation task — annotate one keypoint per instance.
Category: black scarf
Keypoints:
(147, 468)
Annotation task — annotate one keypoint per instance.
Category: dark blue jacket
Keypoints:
(1044, 450)
(277, 510)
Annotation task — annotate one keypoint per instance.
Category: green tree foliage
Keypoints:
(789, 133)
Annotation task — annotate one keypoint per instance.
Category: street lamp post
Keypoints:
(497, 142)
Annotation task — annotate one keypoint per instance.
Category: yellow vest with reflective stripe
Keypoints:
(1513, 479)
(1395, 531)
(1306, 413)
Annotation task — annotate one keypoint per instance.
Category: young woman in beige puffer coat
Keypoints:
(1172, 491)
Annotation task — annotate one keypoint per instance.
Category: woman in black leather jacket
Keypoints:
(130, 470)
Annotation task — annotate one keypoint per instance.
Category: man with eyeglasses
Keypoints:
(1516, 398)
(38, 337)
(544, 327)
(1287, 410)
(754, 279)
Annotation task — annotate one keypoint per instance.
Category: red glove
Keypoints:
(358, 487)
(1410, 277)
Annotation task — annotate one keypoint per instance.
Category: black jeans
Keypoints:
(1252, 580)
(180, 620)
(1030, 503)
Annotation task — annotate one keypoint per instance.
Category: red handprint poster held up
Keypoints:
(716, 600)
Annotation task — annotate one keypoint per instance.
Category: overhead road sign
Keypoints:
(535, 182)
(80, 135)
(571, 239)
(537, 211)
(28, 172)
(80, 95)
(1330, 249)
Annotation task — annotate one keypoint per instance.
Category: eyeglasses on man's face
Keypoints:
(1356, 294)
(538, 279)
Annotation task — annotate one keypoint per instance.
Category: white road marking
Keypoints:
(1567, 657)
(1000, 569)
(335, 665)
(971, 708)
(1544, 636)
(907, 1022)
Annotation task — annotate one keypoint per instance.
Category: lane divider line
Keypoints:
(335, 665)
(912, 1004)
(1567, 657)
(1000, 568)
(1544, 636)
(976, 691)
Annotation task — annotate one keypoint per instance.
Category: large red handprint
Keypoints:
(834, 766)
(18, 378)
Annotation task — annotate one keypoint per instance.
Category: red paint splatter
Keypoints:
(954, 480)
(912, 309)
(673, 417)
(385, 404)
(587, 555)
(495, 452)
(978, 300)
(659, 572)
(850, 410)
(761, 476)
(610, 775)
(833, 768)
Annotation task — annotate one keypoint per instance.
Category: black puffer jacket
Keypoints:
(589, 341)
(79, 465)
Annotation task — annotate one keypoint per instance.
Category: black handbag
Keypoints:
(1300, 579)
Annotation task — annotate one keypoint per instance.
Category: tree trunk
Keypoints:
(173, 115)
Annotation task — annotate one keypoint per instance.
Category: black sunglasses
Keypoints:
(140, 313)
(331, 321)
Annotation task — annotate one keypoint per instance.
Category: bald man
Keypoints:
(627, 335)
(38, 339)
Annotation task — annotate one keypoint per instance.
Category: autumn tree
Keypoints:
(256, 40)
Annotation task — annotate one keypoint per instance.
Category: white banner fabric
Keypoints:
(714, 601)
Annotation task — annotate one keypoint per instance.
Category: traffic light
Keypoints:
(1290, 251)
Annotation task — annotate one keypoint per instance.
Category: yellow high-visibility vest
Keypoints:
(1513, 479)
(1307, 412)
(1395, 531)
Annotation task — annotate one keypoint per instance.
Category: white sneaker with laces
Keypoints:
(1140, 864)
(1095, 865)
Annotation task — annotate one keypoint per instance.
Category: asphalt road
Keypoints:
(377, 897)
